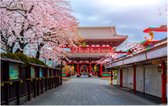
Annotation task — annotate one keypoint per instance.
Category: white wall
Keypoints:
(130, 77)
(118, 77)
(153, 80)
(125, 77)
(150, 73)
(139, 78)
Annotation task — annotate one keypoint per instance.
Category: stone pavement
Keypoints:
(87, 91)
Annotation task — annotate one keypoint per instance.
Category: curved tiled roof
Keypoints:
(99, 33)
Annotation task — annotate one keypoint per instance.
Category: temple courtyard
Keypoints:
(88, 91)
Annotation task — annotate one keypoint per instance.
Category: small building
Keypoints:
(144, 72)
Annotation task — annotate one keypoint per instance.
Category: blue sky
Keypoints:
(129, 16)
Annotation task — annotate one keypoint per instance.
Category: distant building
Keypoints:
(97, 42)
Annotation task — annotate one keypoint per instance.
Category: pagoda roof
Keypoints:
(99, 33)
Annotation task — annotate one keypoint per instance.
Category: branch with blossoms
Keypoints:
(131, 48)
(35, 25)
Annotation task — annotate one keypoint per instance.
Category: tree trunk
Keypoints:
(38, 50)
(38, 54)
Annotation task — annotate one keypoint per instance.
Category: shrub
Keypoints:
(36, 61)
(22, 57)
(10, 55)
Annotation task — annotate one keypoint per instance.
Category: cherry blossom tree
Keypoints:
(60, 28)
(130, 47)
(39, 24)
(16, 26)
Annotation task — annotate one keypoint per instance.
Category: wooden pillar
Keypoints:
(37, 80)
(134, 78)
(41, 85)
(34, 87)
(163, 82)
(66, 71)
(6, 87)
(18, 92)
(29, 89)
(46, 84)
(90, 68)
(6, 79)
(111, 77)
(78, 68)
(121, 78)
(61, 72)
(101, 70)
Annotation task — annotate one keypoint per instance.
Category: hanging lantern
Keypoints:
(95, 67)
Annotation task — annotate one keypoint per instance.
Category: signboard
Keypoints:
(156, 61)
(13, 71)
(33, 74)
(50, 63)
(41, 73)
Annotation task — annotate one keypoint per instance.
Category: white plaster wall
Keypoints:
(139, 78)
(130, 77)
(152, 80)
(118, 77)
(125, 77)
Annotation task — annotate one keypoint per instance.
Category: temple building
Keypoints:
(96, 43)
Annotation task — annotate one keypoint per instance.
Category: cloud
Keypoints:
(130, 17)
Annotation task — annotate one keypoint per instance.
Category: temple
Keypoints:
(96, 43)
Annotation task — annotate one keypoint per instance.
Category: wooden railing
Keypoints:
(19, 80)
(92, 49)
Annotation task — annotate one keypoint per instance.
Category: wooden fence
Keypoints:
(20, 82)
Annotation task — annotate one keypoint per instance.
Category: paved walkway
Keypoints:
(87, 91)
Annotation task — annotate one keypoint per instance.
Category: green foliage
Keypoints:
(10, 55)
(22, 57)
(114, 77)
(36, 61)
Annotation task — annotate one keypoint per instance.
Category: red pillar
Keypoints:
(78, 68)
(121, 77)
(134, 79)
(163, 82)
(101, 70)
(90, 68)
(66, 71)
(111, 77)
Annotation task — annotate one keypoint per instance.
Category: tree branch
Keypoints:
(13, 9)
(31, 9)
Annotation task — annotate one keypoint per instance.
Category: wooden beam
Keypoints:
(121, 78)
(134, 78)
(163, 82)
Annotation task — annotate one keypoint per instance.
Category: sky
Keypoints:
(130, 17)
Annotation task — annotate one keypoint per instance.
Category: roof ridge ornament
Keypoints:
(113, 30)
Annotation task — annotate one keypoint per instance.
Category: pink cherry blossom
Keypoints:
(39, 25)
